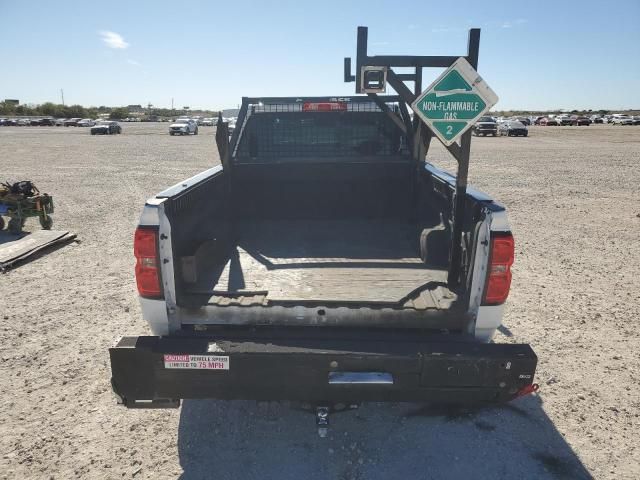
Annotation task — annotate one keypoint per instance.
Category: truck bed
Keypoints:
(374, 260)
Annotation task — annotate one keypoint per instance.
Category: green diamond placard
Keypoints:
(454, 102)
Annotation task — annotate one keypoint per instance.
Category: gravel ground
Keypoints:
(574, 204)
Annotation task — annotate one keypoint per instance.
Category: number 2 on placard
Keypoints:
(449, 129)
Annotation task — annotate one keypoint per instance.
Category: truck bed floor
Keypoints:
(325, 260)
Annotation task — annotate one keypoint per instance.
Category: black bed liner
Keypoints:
(319, 260)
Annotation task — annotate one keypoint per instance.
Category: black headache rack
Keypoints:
(252, 106)
(372, 73)
(155, 372)
(273, 124)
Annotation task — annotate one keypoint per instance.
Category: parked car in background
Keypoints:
(2, 120)
(580, 121)
(563, 120)
(72, 122)
(47, 122)
(596, 119)
(106, 127)
(207, 122)
(24, 122)
(524, 120)
(513, 128)
(636, 119)
(538, 120)
(35, 122)
(548, 122)
(60, 122)
(485, 126)
(86, 122)
(621, 119)
(10, 122)
(183, 126)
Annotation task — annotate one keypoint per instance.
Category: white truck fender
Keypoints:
(488, 317)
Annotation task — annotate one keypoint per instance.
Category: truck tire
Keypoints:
(196, 131)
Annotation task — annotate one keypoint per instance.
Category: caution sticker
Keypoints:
(196, 362)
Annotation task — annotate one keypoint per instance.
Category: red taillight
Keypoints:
(145, 249)
(499, 271)
(323, 106)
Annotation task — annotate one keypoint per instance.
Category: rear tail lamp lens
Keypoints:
(145, 249)
(499, 272)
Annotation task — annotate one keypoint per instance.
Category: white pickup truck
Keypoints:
(314, 265)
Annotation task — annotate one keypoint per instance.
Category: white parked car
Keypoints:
(563, 119)
(207, 122)
(183, 126)
(621, 119)
(86, 122)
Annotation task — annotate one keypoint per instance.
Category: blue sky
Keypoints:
(535, 55)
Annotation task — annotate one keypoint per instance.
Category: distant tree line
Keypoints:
(51, 110)
(73, 111)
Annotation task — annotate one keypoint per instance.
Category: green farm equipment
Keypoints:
(21, 200)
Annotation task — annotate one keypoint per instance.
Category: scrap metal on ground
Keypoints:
(16, 249)
(22, 200)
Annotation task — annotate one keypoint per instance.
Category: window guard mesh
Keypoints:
(287, 131)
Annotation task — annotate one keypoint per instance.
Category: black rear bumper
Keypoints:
(157, 372)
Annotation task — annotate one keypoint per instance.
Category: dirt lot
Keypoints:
(574, 204)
